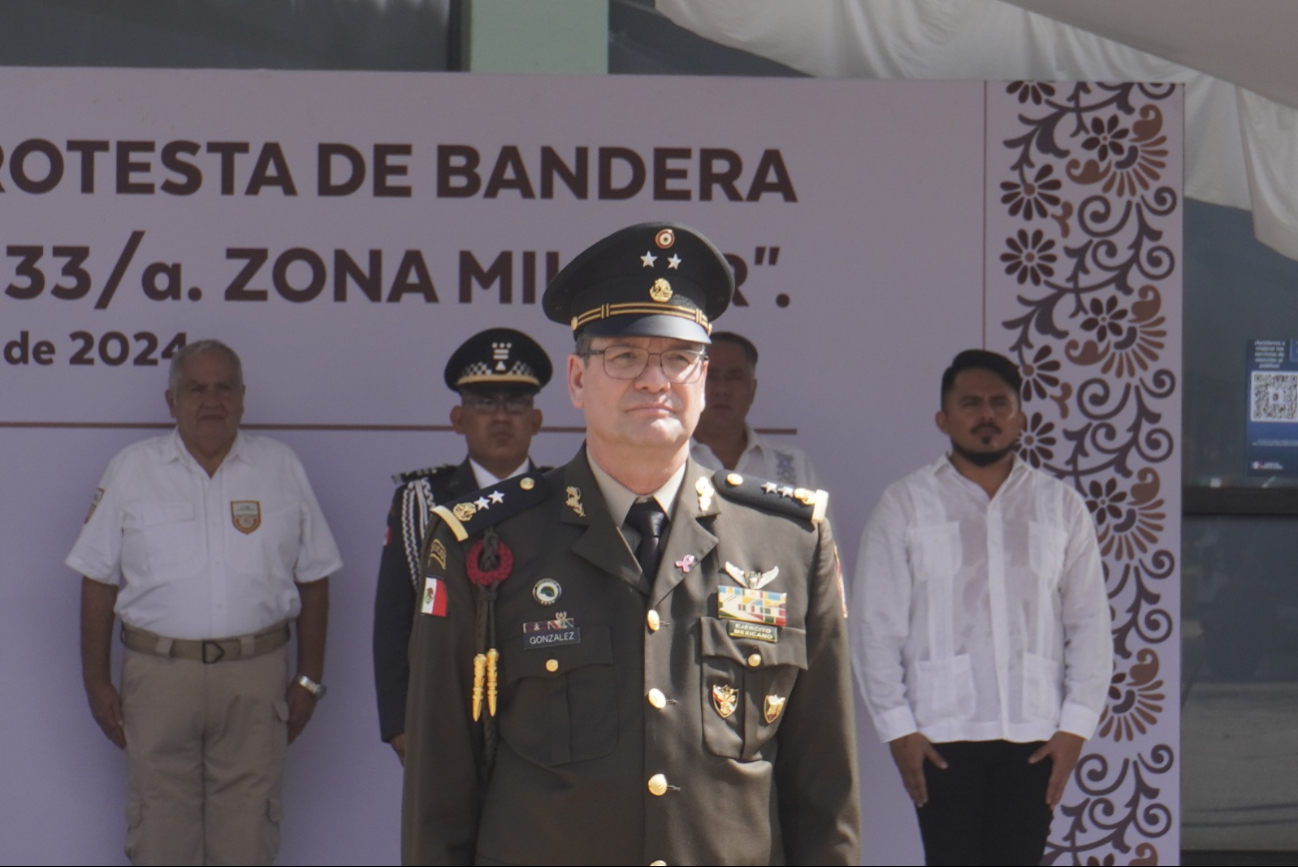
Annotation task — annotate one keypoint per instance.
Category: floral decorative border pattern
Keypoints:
(1082, 283)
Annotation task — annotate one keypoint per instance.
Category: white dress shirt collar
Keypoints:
(485, 479)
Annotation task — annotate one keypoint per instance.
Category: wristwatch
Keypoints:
(316, 689)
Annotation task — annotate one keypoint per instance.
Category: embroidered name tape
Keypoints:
(753, 631)
(552, 638)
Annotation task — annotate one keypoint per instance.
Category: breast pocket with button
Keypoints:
(935, 551)
(559, 704)
(266, 547)
(168, 534)
(746, 684)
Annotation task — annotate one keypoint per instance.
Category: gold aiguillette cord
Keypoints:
(492, 656)
(479, 669)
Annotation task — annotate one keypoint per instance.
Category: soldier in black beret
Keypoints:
(496, 373)
(629, 659)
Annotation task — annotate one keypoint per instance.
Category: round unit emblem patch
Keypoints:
(547, 591)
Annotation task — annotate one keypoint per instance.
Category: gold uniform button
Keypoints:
(659, 863)
(657, 785)
(654, 621)
(735, 480)
(753, 661)
(657, 699)
(553, 664)
(527, 484)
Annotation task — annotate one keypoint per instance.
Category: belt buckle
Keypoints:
(216, 645)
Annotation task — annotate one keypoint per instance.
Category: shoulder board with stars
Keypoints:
(427, 472)
(473, 513)
(806, 503)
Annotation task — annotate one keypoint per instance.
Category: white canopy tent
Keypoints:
(1235, 58)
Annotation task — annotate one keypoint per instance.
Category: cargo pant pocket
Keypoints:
(270, 836)
(134, 823)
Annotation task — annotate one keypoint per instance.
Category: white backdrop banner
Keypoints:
(345, 232)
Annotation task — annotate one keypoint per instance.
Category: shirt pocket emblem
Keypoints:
(245, 515)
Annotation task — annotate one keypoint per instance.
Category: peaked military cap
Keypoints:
(649, 280)
(498, 358)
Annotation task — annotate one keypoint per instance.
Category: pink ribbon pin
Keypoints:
(686, 563)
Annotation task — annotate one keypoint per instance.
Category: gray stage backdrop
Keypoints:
(345, 231)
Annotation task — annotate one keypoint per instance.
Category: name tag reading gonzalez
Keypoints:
(549, 633)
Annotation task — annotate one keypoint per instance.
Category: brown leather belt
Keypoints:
(208, 650)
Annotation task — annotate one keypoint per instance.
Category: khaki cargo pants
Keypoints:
(205, 749)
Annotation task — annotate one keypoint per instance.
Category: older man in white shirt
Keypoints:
(983, 643)
(206, 542)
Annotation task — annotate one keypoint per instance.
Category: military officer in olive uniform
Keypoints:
(629, 659)
(497, 374)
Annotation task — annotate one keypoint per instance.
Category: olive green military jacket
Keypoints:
(635, 725)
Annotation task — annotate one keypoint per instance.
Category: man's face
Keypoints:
(645, 412)
(730, 387)
(207, 403)
(497, 426)
(981, 415)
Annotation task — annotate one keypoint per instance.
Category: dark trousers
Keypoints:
(988, 807)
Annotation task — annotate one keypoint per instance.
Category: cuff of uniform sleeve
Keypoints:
(895, 723)
(1078, 720)
(81, 567)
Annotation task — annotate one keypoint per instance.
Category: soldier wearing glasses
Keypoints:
(631, 659)
(497, 373)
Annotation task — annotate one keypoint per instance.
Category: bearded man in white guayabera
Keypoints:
(981, 636)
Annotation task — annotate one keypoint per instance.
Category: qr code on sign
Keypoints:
(1275, 397)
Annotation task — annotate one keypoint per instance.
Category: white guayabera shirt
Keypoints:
(981, 619)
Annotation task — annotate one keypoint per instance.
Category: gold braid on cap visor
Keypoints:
(635, 308)
(498, 379)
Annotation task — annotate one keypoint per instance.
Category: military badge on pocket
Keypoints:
(725, 699)
(772, 707)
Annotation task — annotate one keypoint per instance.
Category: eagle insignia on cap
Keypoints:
(661, 291)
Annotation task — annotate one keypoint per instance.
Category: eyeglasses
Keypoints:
(515, 405)
(628, 362)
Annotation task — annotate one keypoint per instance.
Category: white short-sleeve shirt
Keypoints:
(205, 557)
